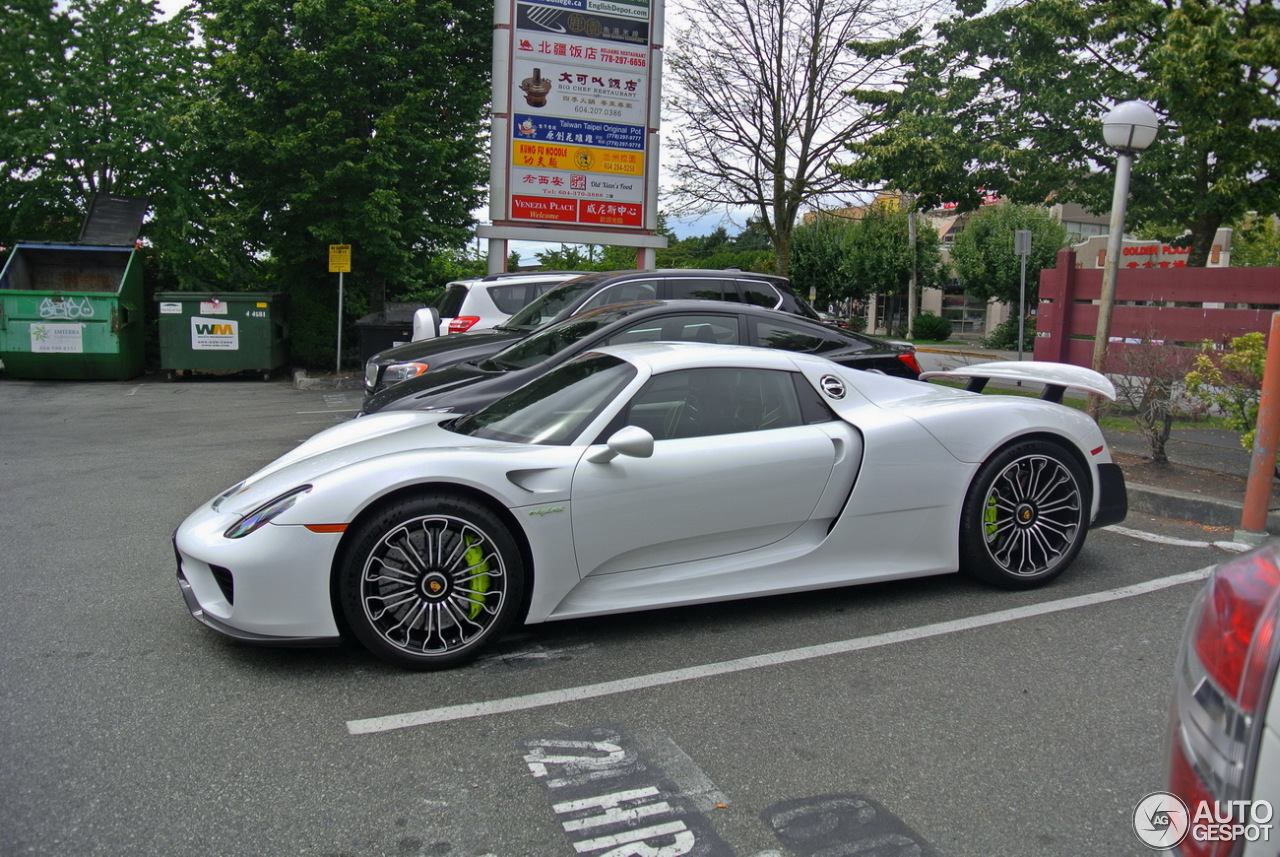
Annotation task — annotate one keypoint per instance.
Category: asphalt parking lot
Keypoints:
(926, 717)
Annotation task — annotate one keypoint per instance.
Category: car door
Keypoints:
(735, 467)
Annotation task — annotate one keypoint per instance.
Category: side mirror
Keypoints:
(426, 323)
(631, 441)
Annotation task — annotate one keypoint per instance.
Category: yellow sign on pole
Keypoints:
(339, 258)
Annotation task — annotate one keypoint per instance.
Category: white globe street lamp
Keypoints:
(1129, 128)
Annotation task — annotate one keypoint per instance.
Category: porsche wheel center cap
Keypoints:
(1025, 514)
(433, 586)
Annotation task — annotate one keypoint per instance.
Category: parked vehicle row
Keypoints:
(579, 294)
(470, 384)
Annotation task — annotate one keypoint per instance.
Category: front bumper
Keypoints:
(270, 587)
(1113, 497)
(198, 613)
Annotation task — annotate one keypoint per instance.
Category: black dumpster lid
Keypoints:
(113, 219)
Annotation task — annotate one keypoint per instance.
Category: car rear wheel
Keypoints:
(1025, 517)
(427, 582)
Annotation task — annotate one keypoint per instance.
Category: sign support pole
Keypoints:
(339, 263)
(338, 366)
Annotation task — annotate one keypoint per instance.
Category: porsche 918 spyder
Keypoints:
(643, 476)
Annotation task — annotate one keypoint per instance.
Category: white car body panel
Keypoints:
(703, 519)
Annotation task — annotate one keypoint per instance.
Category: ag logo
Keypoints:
(1161, 820)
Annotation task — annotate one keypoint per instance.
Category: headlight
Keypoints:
(265, 513)
(398, 372)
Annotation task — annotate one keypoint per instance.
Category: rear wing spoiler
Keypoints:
(1056, 377)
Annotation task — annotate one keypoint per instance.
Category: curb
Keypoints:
(302, 381)
(1191, 507)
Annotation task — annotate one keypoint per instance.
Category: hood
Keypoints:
(470, 345)
(407, 394)
(342, 446)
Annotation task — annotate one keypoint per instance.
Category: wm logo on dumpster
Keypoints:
(214, 334)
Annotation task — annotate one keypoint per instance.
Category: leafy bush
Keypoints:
(1005, 335)
(1232, 381)
(931, 326)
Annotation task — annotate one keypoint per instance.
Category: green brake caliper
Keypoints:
(989, 518)
(477, 566)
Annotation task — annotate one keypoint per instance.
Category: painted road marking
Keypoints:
(842, 824)
(1235, 547)
(840, 647)
(613, 799)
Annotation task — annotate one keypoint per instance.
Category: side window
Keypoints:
(813, 409)
(618, 293)
(758, 293)
(510, 298)
(682, 328)
(791, 337)
(706, 402)
(696, 288)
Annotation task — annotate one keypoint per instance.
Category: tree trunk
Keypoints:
(1203, 232)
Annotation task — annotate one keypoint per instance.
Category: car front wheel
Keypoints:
(1025, 516)
(427, 582)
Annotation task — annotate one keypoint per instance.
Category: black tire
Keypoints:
(427, 582)
(1025, 517)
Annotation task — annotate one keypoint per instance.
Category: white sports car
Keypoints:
(642, 476)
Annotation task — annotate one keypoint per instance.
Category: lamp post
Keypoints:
(1129, 128)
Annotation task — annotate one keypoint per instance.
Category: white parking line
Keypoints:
(1237, 547)
(840, 647)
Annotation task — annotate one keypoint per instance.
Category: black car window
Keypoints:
(631, 290)
(813, 408)
(450, 303)
(714, 401)
(553, 338)
(758, 293)
(722, 329)
(552, 409)
(808, 339)
(697, 288)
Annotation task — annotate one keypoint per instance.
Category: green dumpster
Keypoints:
(223, 332)
(72, 311)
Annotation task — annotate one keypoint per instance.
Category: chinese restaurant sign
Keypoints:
(580, 78)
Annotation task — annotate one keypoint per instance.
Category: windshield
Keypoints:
(546, 306)
(553, 409)
(541, 345)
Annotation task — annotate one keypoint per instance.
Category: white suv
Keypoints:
(482, 302)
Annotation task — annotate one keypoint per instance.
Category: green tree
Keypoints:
(983, 258)
(1011, 100)
(347, 121)
(1256, 243)
(820, 250)
(91, 91)
(569, 257)
(881, 257)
